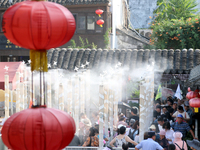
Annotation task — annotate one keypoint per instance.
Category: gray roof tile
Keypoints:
(174, 61)
(6, 3)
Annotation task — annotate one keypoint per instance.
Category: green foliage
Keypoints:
(131, 104)
(176, 34)
(107, 39)
(93, 46)
(175, 9)
(84, 44)
(133, 89)
(73, 44)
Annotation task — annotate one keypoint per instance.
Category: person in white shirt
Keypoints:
(160, 123)
(168, 132)
(180, 110)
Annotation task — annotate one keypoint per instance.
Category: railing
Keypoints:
(89, 148)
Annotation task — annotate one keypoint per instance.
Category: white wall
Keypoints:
(118, 12)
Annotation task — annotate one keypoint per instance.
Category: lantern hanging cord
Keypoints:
(32, 89)
(40, 66)
(44, 88)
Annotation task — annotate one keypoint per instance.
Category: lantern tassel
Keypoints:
(101, 26)
(39, 60)
(196, 109)
(99, 15)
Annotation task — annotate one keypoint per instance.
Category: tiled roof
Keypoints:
(7, 3)
(175, 61)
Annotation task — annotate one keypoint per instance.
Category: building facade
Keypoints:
(86, 27)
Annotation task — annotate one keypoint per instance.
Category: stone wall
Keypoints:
(140, 12)
(129, 40)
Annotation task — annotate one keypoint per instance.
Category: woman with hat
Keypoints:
(178, 142)
(84, 127)
(194, 144)
(163, 141)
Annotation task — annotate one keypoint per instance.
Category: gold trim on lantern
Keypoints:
(39, 60)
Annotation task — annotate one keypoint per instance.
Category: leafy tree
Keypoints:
(175, 9)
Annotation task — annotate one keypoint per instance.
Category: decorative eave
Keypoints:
(174, 61)
(5, 3)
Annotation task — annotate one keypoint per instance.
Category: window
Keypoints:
(90, 22)
(86, 23)
(81, 22)
(98, 28)
(1, 21)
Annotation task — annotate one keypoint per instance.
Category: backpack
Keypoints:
(182, 146)
(131, 137)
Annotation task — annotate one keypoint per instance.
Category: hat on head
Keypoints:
(162, 132)
(152, 127)
(158, 106)
(86, 122)
(177, 135)
(194, 143)
(151, 133)
(132, 121)
(186, 103)
(120, 125)
(180, 116)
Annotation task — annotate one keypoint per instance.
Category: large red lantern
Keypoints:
(99, 12)
(38, 129)
(38, 26)
(195, 102)
(100, 22)
(192, 94)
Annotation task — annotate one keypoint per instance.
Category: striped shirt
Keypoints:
(182, 127)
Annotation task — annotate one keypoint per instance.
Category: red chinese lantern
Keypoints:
(195, 102)
(99, 12)
(192, 94)
(38, 26)
(100, 22)
(197, 91)
(38, 128)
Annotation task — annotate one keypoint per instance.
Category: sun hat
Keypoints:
(177, 135)
(186, 103)
(152, 127)
(180, 116)
(120, 125)
(162, 132)
(132, 121)
(86, 122)
(194, 143)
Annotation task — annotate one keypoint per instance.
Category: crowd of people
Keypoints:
(172, 123)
